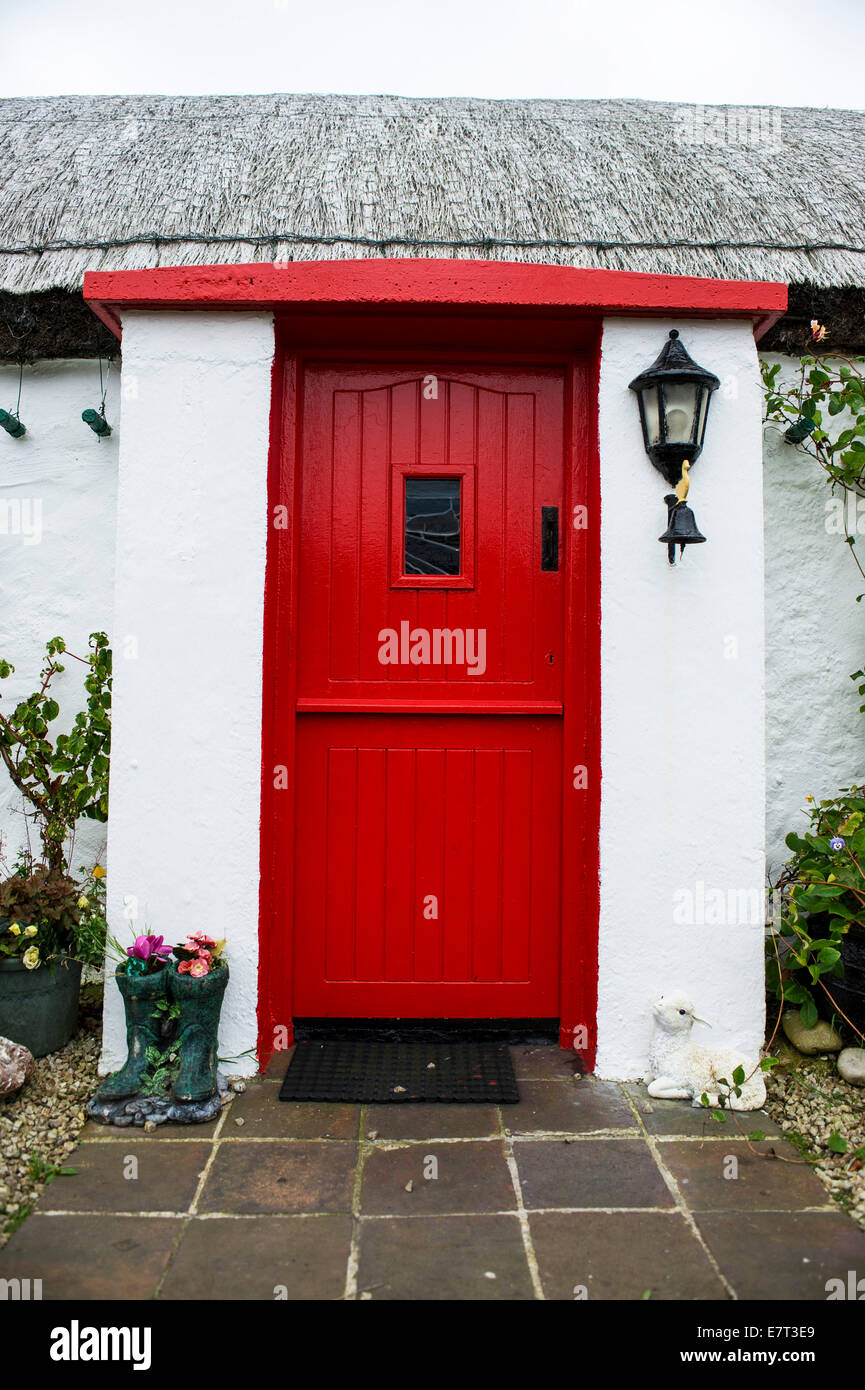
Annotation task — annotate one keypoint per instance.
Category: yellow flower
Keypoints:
(83, 902)
(30, 931)
(98, 871)
(31, 957)
(15, 929)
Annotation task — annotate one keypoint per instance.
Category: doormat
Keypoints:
(391, 1072)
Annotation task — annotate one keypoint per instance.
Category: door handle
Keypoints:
(549, 538)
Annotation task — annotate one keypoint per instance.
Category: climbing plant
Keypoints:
(822, 416)
(65, 777)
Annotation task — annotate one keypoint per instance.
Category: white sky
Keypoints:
(749, 52)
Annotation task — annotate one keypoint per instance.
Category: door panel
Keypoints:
(363, 432)
(428, 865)
(429, 692)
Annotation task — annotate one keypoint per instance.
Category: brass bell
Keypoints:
(681, 527)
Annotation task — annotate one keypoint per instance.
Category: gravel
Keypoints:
(811, 1102)
(39, 1127)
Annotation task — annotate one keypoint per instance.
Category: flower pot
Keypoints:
(849, 993)
(200, 1002)
(39, 1008)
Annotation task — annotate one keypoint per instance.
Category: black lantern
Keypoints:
(674, 396)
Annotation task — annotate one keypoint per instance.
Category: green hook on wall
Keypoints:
(11, 424)
(97, 423)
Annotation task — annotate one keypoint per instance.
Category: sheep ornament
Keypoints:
(683, 1070)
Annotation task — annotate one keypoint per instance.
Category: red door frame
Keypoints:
(581, 676)
(429, 302)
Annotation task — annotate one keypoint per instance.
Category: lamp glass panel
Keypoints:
(651, 414)
(680, 409)
(706, 396)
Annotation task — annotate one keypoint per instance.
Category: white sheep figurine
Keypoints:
(683, 1070)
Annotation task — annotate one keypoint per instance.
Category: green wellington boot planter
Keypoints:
(141, 994)
(200, 1003)
(39, 1008)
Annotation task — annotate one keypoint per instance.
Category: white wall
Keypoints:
(682, 792)
(57, 511)
(815, 637)
(191, 538)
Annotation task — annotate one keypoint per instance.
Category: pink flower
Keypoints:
(199, 967)
(147, 946)
(183, 967)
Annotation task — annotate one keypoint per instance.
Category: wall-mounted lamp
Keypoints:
(674, 395)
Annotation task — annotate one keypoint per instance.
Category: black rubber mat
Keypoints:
(390, 1072)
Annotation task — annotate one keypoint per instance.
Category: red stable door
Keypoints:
(429, 692)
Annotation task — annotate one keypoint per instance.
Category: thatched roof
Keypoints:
(122, 182)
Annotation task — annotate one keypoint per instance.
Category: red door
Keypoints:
(429, 692)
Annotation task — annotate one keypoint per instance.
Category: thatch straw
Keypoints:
(121, 182)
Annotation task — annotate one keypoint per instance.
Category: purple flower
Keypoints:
(837, 843)
(147, 946)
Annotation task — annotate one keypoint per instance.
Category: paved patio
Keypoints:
(586, 1185)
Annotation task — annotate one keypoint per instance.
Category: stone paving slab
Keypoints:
(590, 1173)
(584, 1184)
(142, 1175)
(786, 1255)
(261, 1257)
(734, 1177)
(569, 1107)
(622, 1255)
(265, 1116)
(444, 1257)
(427, 1122)
(92, 1257)
(680, 1117)
(272, 1176)
(471, 1176)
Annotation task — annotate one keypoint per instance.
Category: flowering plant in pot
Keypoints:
(48, 930)
(197, 985)
(172, 1022)
(60, 779)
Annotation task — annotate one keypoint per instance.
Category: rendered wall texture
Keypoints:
(814, 637)
(682, 790)
(191, 539)
(57, 516)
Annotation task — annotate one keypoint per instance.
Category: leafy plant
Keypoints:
(41, 1170)
(823, 887)
(163, 1063)
(67, 778)
(91, 929)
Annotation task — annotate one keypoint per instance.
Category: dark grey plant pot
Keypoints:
(39, 1008)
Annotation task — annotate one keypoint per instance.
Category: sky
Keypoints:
(743, 52)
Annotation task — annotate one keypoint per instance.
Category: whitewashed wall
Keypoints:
(683, 758)
(815, 638)
(682, 791)
(57, 515)
(186, 743)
